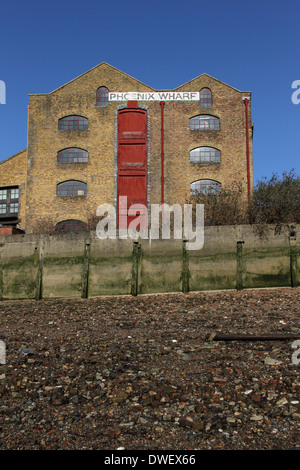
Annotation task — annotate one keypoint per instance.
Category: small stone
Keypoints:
(256, 398)
(256, 418)
(120, 397)
(272, 362)
(198, 425)
(282, 401)
(231, 420)
(185, 422)
(186, 357)
(147, 401)
(167, 417)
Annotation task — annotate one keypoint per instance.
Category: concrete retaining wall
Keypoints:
(81, 265)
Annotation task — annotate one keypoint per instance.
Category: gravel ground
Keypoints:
(139, 373)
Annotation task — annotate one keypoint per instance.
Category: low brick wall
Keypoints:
(81, 265)
(9, 230)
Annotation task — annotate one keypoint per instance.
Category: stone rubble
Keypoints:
(138, 373)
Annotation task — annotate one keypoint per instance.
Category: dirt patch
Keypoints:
(139, 372)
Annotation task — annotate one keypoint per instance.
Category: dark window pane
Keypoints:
(14, 207)
(204, 122)
(205, 98)
(14, 194)
(205, 187)
(73, 123)
(205, 154)
(3, 194)
(72, 188)
(72, 155)
(70, 226)
(9, 201)
(102, 97)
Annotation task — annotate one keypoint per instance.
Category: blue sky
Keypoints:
(252, 46)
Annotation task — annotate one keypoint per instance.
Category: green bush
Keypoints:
(276, 201)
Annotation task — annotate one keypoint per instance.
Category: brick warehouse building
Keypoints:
(106, 134)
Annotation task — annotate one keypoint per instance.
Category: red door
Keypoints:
(132, 161)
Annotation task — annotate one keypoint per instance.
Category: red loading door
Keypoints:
(132, 160)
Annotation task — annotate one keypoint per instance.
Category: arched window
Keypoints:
(205, 187)
(205, 155)
(102, 97)
(73, 123)
(71, 226)
(72, 155)
(204, 122)
(205, 98)
(72, 188)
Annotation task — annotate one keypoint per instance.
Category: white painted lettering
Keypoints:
(154, 96)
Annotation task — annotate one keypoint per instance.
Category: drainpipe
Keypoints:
(246, 101)
(162, 104)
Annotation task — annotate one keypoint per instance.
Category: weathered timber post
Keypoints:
(38, 260)
(239, 265)
(85, 271)
(293, 260)
(136, 262)
(185, 274)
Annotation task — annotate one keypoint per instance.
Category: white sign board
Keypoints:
(155, 96)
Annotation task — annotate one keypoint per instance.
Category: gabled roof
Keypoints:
(102, 64)
(217, 80)
(90, 70)
(13, 156)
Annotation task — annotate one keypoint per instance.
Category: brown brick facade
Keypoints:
(78, 97)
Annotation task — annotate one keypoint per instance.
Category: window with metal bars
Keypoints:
(71, 225)
(72, 155)
(205, 98)
(205, 187)
(204, 122)
(102, 97)
(205, 155)
(72, 188)
(73, 123)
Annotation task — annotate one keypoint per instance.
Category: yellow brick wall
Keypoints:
(13, 172)
(79, 97)
(229, 107)
(45, 140)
